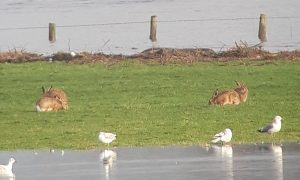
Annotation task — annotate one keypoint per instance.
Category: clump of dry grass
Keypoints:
(87, 58)
(174, 55)
(241, 51)
(18, 56)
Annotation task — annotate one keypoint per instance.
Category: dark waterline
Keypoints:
(168, 163)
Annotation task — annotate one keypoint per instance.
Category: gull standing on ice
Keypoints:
(224, 136)
(107, 138)
(274, 127)
(6, 170)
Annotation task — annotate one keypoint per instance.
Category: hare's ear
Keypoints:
(43, 90)
(238, 83)
(49, 88)
(244, 85)
(216, 92)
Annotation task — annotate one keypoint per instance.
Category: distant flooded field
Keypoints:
(122, 26)
(169, 163)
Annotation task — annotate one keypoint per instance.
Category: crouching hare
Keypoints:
(46, 104)
(52, 100)
(55, 92)
(242, 90)
(236, 96)
(225, 97)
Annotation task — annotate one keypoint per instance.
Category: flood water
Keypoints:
(122, 26)
(245, 162)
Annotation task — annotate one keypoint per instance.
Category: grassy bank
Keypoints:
(146, 105)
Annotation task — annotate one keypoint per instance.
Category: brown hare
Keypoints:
(52, 100)
(55, 92)
(242, 90)
(224, 98)
(46, 104)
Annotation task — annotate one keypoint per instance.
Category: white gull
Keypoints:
(106, 137)
(224, 136)
(273, 127)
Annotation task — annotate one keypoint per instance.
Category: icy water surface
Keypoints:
(122, 26)
(245, 162)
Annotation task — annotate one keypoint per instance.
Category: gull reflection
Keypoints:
(225, 153)
(108, 157)
(277, 160)
(277, 153)
(6, 171)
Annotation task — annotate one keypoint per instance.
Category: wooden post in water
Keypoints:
(262, 32)
(52, 32)
(153, 27)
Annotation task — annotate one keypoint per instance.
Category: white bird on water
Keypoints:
(106, 137)
(224, 136)
(6, 170)
(274, 127)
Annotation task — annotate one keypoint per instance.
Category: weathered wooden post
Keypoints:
(262, 32)
(153, 27)
(52, 32)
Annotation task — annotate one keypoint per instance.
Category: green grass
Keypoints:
(146, 104)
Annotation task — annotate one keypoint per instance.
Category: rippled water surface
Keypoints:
(245, 162)
(122, 26)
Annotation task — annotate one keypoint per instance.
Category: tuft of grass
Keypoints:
(146, 104)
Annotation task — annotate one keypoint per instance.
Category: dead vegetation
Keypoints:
(19, 56)
(162, 55)
(87, 58)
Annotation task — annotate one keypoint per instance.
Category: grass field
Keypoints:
(146, 104)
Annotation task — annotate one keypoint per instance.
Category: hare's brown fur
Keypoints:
(56, 93)
(52, 100)
(236, 96)
(225, 97)
(242, 90)
(45, 104)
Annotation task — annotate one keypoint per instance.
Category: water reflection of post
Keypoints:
(226, 153)
(108, 157)
(277, 152)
